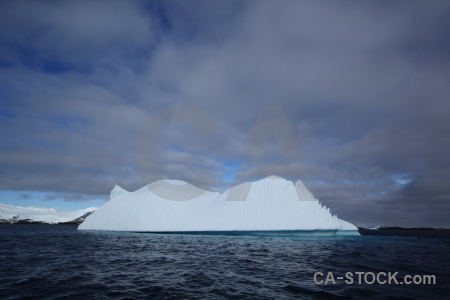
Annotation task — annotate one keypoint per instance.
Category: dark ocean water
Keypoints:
(57, 261)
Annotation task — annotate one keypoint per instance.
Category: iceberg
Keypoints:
(270, 206)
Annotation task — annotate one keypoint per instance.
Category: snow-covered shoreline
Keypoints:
(17, 214)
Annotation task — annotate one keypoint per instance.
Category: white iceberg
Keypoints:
(272, 205)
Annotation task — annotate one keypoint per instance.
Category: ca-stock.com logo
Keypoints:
(186, 141)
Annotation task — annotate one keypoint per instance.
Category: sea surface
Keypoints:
(57, 261)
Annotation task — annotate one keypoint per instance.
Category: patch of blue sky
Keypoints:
(159, 10)
(230, 170)
(49, 200)
(6, 114)
(31, 58)
(402, 178)
(227, 175)
(26, 55)
(4, 63)
(55, 66)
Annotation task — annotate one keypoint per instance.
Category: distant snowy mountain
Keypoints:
(10, 213)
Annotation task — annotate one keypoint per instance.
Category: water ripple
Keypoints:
(56, 262)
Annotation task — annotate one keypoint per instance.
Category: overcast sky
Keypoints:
(351, 97)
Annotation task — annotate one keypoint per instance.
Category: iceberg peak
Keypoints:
(274, 177)
(117, 191)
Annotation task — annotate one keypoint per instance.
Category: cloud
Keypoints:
(66, 35)
(96, 94)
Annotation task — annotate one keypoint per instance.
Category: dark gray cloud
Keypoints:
(125, 92)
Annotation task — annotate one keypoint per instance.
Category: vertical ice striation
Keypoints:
(268, 205)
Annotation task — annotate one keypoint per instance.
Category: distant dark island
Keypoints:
(402, 231)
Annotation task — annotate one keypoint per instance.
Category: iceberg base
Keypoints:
(347, 232)
(274, 233)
